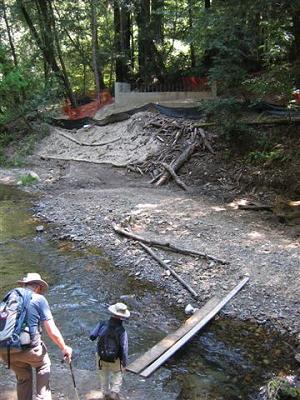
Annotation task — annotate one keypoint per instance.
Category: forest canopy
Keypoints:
(56, 49)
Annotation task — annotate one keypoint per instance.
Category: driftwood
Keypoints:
(72, 139)
(164, 265)
(205, 141)
(178, 163)
(167, 245)
(255, 207)
(46, 157)
(174, 176)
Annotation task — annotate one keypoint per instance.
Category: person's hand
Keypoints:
(67, 352)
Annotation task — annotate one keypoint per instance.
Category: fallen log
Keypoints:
(72, 139)
(174, 176)
(165, 266)
(167, 245)
(255, 207)
(58, 158)
(178, 163)
(205, 141)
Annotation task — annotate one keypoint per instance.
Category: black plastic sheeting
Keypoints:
(276, 110)
(174, 112)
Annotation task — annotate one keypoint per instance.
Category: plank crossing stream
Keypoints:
(228, 360)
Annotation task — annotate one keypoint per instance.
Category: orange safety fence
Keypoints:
(89, 109)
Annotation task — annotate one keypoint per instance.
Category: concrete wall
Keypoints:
(124, 96)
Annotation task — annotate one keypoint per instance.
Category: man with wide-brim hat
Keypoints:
(111, 370)
(35, 354)
(34, 278)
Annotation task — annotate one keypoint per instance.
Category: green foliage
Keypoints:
(28, 179)
(281, 389)
(261, 157)
(278, 81)
(227, 112)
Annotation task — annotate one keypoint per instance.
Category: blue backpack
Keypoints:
(13, 310)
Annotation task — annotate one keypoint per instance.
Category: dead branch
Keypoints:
(255, 207)
(178, 163)
(205, 141)
(174, 176)
(72, 139)
(165, 266)
(167, 245)
(47, 157)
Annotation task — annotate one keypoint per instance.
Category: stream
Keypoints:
(229, 360)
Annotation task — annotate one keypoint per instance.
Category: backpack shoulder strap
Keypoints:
(27, 296)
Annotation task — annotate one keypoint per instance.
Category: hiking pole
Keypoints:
(73, 379)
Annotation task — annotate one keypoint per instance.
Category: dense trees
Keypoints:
(78, 46)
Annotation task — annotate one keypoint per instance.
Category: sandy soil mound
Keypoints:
(118, 144)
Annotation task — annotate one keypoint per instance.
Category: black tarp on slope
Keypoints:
(174, 112)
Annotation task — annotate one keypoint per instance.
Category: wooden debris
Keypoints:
(167, 245)
(203, 321)
(174, 176)
(178, 163)
(72, 139)
(156, 351)
(254, 207)
(165, 266)
(58, 158)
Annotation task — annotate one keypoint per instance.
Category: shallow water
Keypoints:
(229, 360)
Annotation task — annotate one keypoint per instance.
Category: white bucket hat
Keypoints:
(34, 277)
(120, 310)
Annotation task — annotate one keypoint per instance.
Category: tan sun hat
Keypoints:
(120, 310)
(34, 277)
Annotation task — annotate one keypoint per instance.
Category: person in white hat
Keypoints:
(35, 355)
(112, 355)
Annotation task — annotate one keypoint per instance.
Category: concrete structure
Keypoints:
(124, 95)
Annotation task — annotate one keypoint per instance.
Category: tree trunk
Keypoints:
(10, 39)
(207, 4)
(192, 48)
(296, 46)
(122, 25)
(45, 43)
(157, 20)
(94, 30)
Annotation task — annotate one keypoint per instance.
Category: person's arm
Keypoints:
(56, 337)
(124, 349)
(95, 332)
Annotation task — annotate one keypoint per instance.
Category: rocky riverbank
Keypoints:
(84, 201)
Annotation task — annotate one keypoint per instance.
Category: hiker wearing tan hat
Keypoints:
(112, 350)
(24, 347)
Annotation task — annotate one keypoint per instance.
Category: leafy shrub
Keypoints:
(277, 154)
(28, 179)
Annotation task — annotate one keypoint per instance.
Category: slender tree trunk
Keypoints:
(45, 42)
(94, 30)
(122, 26)
(10, 39)
(192, 47)
(207, 4)
(157, 20)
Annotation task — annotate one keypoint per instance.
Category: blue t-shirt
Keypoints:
(38, 311)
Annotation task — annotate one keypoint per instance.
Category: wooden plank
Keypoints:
(151, 355)
(159, 361)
